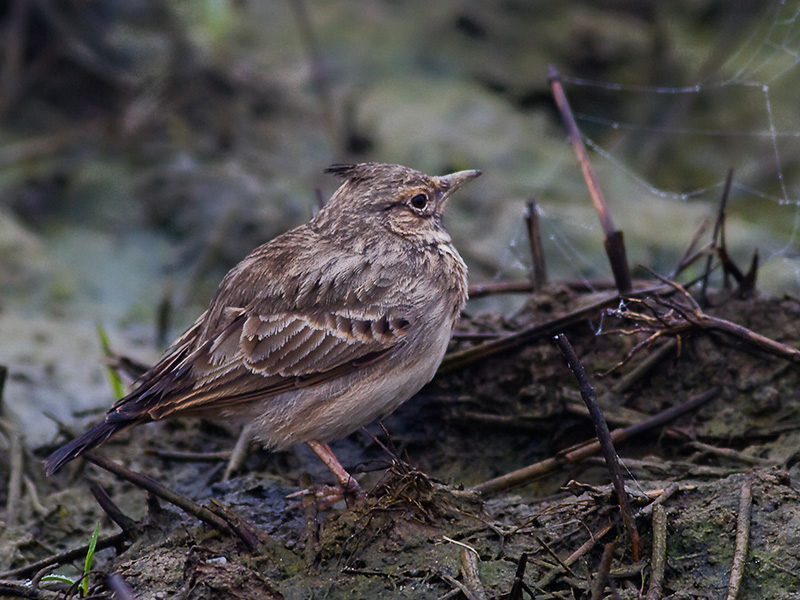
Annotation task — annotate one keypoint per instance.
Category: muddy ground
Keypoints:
(423, 527)
(148, 146)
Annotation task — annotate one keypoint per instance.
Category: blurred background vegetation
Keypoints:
(146, 146)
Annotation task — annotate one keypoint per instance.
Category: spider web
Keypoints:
(741, 111)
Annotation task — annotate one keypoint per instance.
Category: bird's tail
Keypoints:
(91, 439)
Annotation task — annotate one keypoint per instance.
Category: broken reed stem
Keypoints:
(658, 560)
(604, 437)
(742, 541)
(589, 448)
(200, 512)
(538, 268)
(614, 241)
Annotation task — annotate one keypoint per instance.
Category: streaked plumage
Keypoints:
(323, 329)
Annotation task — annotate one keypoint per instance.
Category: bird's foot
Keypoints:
(329, 495)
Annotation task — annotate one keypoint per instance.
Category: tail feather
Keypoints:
(91, 439)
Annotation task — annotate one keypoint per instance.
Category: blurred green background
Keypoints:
(146, 146)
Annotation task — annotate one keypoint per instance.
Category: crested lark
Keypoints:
(320, 331)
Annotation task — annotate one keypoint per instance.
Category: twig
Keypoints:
(643, 368)
(111, 509)
(614, 242)
(180, 456)
(470, 574)
(239, 454)
(659, 559)
(18, 589)
(582, 551)
(689, 256)
(517, 586)
(462, 358)
(590, 447)
(538, 268)
(719, 232)
(113, 541)
(601, 579)
(668, 492)
(33, 497)
(564, 566)
(487, 288)
(742, 541)
(202, 513)
(479, 290)
(460, 586)
(730, 454)
(681, 319)
(604, 437)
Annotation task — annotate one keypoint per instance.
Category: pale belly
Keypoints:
(335, 409)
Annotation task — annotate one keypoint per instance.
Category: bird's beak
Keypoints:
(450, 183)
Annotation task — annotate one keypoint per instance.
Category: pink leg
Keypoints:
(353, 494)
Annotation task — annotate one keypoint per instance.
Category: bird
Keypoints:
(321, 330)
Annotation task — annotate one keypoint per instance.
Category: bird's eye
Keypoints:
(419, 202)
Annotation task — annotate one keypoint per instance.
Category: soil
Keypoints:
(422, 524)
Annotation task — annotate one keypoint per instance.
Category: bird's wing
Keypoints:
(261, 355)
(248, 346)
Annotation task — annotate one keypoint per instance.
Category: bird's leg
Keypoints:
(352, 492)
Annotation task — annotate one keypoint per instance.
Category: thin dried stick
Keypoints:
(614, 242)
(658, 561)
(469, 572)
(604, 437)
(114, 541)
(601, 579)
(590, 447)
(237, 457)
(479, 290)
(668, 492)
(111, 509)
(719, 232)
(694, 318)
(742, 541)
(200, 512)
(689, 255)
(519, 583)
(582, 551)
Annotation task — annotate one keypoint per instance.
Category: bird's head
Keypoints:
(405, 201)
